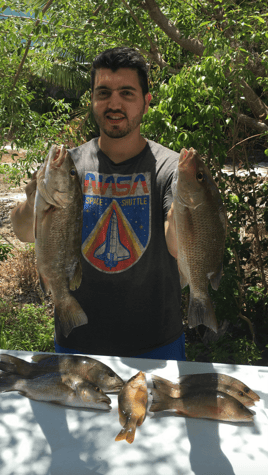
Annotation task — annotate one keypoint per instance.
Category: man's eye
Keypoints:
(103, 94)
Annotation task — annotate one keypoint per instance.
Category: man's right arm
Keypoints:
(22, 217)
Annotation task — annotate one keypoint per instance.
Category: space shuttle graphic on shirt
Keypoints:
(116, 219)
(112, 250)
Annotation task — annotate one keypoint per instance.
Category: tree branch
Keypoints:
(252, 123)
(154, 53)
(46, 7)
(190, 44)
(259, 109)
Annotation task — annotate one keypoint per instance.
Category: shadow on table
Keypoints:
(206, 456)
(65, 449)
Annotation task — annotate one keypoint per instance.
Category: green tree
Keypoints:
(208, 64)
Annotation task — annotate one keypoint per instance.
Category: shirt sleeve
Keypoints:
(168, 197)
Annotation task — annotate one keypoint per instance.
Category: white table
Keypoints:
(44, 439)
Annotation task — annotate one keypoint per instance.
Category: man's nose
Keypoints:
(115, 100)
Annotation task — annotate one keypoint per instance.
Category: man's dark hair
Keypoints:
(121, 57)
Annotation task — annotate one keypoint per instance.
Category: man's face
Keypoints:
(118, 102)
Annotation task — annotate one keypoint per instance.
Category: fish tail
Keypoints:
(161, 401)
(14, 365)
(8, 382)
(127, 433)
(70, 314)
(166, 386)
(202, 312)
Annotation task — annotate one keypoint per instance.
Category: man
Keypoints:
(130, 289)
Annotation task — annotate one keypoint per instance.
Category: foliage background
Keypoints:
(208, 64)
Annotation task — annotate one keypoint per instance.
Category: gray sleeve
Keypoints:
(168, 197)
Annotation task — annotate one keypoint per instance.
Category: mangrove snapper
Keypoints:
(206, 404)
(208, 381)
(218, 378)
(200, 224)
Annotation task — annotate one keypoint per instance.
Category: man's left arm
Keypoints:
(170, 233)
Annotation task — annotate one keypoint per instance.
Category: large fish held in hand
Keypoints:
(58, 231)
(200, 223)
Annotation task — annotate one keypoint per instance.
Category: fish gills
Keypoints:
(58, 231)
(200, 224)
(132, 404)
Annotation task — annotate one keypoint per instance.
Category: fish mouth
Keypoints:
(105, 403)
(57, 156)
(185, 158)
(115, 389)
(183, 155)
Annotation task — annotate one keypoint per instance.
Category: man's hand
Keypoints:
(170, 233)
(22, 217)
(30, 190)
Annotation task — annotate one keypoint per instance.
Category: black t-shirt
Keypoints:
(130, 287)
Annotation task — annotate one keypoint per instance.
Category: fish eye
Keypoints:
(111, 374)
(240, 393)
(72, 172)
(246, 389)
(200, 176)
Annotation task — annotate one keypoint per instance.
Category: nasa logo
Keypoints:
(116, 219)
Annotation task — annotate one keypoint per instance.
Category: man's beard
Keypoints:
(115, 131)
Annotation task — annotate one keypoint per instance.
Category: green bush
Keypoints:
(26, 328)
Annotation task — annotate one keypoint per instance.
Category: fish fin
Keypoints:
(37, 358)
(166, 386)
(7, 363)
(75, 281)
(42, 283)
(42, 357)
(183, 280)
(70, 314)
(161, 401)
(201, 312)
(216, 277)
(141, 420)
(127, 433)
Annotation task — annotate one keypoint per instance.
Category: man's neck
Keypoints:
(121, 149)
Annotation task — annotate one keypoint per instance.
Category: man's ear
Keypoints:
(147, 99)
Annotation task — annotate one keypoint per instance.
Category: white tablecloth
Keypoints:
(44, 439)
